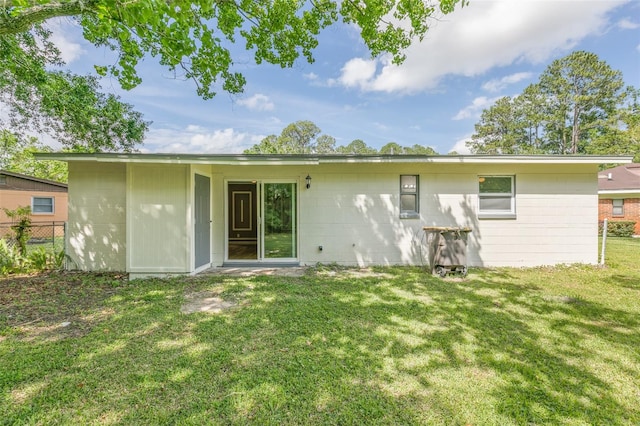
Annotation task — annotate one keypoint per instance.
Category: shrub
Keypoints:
(39, 259)
(58, 259)
(10, 260)
(21, 226)
(619, 228)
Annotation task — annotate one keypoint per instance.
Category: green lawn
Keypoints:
(337, 346)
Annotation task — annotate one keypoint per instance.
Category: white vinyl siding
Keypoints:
(159, 219)
(96, 237)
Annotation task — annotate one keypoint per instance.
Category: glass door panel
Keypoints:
(280, 233)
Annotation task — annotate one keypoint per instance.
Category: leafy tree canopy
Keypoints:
(193, 37)
(304, 137)
(68, 107)
(16, 155)
(579, 105)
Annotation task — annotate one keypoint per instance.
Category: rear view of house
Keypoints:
(619, 194)
(159, 214)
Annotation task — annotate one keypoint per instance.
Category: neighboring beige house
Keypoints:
(47, 199)
(158, 214)
(619, 194)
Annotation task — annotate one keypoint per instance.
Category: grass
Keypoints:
(336, 346)
(279, 245)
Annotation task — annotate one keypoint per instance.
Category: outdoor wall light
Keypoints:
(308, 179)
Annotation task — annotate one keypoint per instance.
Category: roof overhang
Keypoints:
(619, 193)
(293, 159)
(33, 178)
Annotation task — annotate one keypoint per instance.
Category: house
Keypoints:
(160, 214)
(619, 194)
(47, 199)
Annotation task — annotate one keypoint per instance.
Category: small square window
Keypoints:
(42, 205)
(409, 201)
(618, 207)
(496, 197)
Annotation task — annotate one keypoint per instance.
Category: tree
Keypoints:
(581, 91)
(193, 36)
(578, 101)
(392, 148)
(622, 134)
(500, 129)
(68, 107)
(16, 155)
(420, 150)
(301, 137)
(325, 144)
(356, 147)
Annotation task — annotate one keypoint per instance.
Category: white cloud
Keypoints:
(257, 102)
(197, 139)
(628, 24)
(498, 84)
(357, 73)
(482, 36)
(475, 109)
(461, 146)
(69, 49)
(310, 76)
(380, 126)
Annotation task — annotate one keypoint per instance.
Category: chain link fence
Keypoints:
(49, 236)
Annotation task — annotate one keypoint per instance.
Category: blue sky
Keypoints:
(469, 59)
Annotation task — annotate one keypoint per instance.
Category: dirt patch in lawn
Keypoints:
(205, 301)
(54, 305)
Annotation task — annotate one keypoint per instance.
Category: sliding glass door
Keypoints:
(279, 221)
(262, 221)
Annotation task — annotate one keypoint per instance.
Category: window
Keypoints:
(409, 197)
(618, 207)
(3, 180)
(496, 197)
(42, 205)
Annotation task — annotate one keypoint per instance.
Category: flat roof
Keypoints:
(312, 159)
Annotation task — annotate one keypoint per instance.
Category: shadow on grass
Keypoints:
(396, 347)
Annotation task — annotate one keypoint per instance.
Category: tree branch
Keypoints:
(17, 20)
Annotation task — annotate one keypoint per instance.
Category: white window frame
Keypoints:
(410, 214)
(53, 205)
(614, 207)
(495, 213)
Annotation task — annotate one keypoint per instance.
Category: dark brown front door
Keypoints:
(243, 221)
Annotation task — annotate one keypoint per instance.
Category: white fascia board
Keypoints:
(629, 193)
(483, 159)
(234, 160)
(280, 160)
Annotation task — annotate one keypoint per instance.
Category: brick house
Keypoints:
(619, 194)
